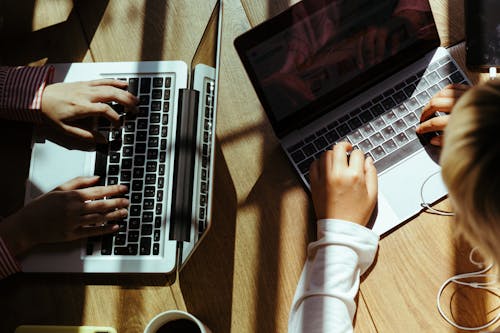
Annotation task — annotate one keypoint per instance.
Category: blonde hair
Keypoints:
(470, 163)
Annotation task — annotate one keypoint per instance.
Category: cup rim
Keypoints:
(164, 317)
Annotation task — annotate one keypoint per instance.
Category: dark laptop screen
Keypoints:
(320, 51)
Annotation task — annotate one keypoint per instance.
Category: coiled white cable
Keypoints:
(478, 285)
(425, 204)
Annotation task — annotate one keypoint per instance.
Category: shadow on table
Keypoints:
(62, 42)
(206, 280)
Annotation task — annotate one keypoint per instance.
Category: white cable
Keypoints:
(425, 204)
(478, 285)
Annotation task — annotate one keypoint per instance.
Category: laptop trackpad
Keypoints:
(52, 165)
(402, 185)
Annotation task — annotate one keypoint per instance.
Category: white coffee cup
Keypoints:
(163, 318)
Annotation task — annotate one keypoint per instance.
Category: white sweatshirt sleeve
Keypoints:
(324, 298)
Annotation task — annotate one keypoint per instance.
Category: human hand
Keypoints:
(64, 104)
(344, 188)
(73, 210)
(443, 101)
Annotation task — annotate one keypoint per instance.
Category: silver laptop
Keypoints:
(164, 154)
(361, 71)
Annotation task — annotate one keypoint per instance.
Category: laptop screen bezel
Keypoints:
(304, 115)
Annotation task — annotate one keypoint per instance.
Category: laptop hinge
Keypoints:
(184, 163)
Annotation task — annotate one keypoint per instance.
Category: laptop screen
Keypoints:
(318, 53)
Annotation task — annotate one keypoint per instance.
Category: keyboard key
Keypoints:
(400, 110)
(432, 77)
(410, 89)
(320, 143)
(157, 82)
(135, 210)
(304, 165)
(378, 124)
(367, 130)
(149, 191)
(145, 85)
(154, 130)
(388, 92)
(133, 236)
(139, 160)
(389, 146)
(150, 178)
(137, 185)
(401, 139)
(355, 137)
(433, 90)
(155, 117)
(144, 100)
(120, 239)
(411, 134)
(376, 139)
(354, 123)
(129, 126)
(389, 117)
(422, 84)
(423, 97)
(377, 153)
(309, 149)
(399, 97)
(456, 77)
(156, 106)
(366, 116)
(126, 163)
(388, 103)
(130, 249)
(114, 157)
(321, 132)
(145, 246)
(411, 119)
(343, 129)
(106, 244)
(332, 125)
(156, 235)
(447, 69)
(388, 132)
(146, 217)
(168, 82)
(444, 82)
(136, 197)
(399, 125)
(332, 136)
(133, 86)
(377, 110)
(125, 176)
(365, 145)
(298, 156)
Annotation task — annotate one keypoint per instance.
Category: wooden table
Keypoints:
(243, 275)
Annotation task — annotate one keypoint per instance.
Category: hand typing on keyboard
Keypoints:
(443, 101)
(70, 106)
(344, 188)
(73, 210)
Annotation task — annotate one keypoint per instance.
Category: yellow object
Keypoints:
(63, 329)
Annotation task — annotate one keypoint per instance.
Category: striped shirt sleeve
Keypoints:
(8, 264)
(21, 91)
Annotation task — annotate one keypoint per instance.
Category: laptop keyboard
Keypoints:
(204, 171)
(384, 127)
(136, 157)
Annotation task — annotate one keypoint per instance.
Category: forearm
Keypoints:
(324, 299)
(21, 91)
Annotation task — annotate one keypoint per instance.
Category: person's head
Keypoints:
(470, 163)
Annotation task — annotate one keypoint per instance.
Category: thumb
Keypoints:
(77, 183)
(371, 179)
